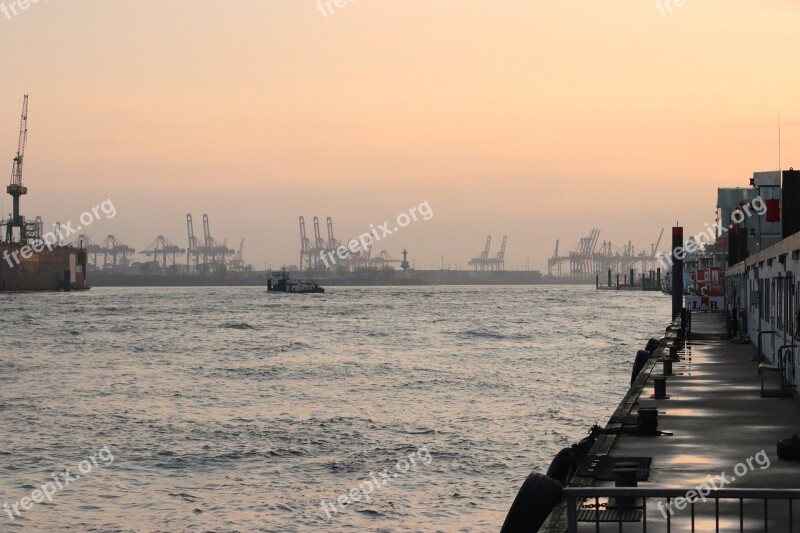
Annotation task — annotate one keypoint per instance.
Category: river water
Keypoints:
(230, 409)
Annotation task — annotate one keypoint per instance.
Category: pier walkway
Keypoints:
(716, 423)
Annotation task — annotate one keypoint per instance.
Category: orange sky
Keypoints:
(538, 119)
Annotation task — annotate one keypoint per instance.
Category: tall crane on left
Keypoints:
(25, 232)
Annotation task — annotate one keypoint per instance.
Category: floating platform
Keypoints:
(60, 269)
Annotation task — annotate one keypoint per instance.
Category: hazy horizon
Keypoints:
(536, 121)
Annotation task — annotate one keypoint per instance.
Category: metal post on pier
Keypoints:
(677, 271)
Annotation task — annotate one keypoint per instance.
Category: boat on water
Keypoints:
(281, 282)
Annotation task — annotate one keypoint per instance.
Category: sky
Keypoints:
(535, 119)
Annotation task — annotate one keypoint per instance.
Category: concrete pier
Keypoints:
(714, 418)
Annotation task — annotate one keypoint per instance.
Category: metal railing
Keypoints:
(584, 507)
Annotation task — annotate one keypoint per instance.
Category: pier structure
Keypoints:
(710, 458)
(706, 438)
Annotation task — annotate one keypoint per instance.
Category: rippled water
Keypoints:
(230, 409)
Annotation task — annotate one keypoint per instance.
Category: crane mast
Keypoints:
(17, 189)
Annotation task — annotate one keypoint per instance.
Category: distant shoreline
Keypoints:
(427, 278)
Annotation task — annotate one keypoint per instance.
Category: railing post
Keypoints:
(572, 518)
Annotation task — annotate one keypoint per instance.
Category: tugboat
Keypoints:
(280, 282)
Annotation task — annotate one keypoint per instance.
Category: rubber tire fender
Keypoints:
(535, 500)
(642, 357)
(652, 345)
(563, 465)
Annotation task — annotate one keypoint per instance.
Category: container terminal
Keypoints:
(208, 261)
(706, 437)
(33, 262)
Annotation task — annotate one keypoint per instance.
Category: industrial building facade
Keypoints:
(762, 288)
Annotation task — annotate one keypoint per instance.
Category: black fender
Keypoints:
(563, 465)
(535, 500)
(642, 357)
(652, 345)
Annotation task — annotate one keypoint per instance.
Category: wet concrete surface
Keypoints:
(719, 425)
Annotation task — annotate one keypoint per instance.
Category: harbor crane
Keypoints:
(237, 262)
(485, 253)
(480, 262)
(215, 253)
(333, 244)
(484, 262)
(501, 255)
(193, 251)
(116, 254)
(591, 257)
(319, 242)
(27, 231)
(164, 253)
(307, 257)
(207, 254)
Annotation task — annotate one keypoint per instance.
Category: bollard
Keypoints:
(660, 384)
(647, 421)
(673, 352)
(625, 475)
(667, 367)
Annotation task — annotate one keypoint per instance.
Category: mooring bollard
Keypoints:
(647, 421)
(626, 475)
(660, 387)
(673, 351)
(667, 367)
